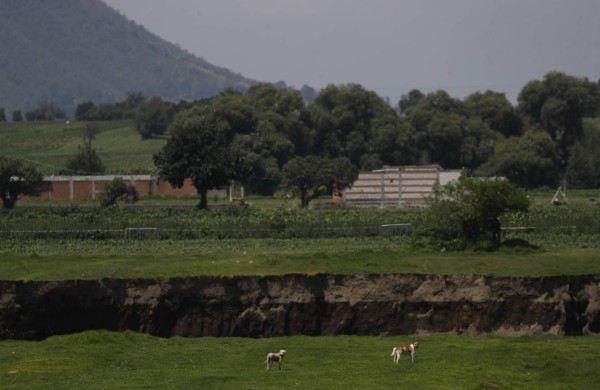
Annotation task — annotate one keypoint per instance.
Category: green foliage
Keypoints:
(201, 148)
(51, 144)
(583, 169)
(2, 114)
(530, 161)
(496, 111)
(468, 211)
(17, 116)
(448, 134)
(16, 179)
(117, 189)
(153, 117)
(102, 359)
(46, 111)
(86, 161)
(558, 104)
(308, 177)
(410, 100)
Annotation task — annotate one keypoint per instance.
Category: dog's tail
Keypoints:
(394, 351)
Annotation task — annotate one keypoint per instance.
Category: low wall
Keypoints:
(323, 304)
(65, 188)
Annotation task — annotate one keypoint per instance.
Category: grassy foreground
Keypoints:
(108, 360)
(89, 259)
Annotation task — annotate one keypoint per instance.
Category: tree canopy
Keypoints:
(467, 211)
(201, 148)
(17, 178)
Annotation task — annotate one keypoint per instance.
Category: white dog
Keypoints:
(276, 357)
(405, 350)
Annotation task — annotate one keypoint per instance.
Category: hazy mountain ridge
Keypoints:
(70, 51)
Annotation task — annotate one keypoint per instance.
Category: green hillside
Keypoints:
(51, 144)
(72, 51)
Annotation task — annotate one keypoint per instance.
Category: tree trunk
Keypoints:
(203, 205)
(303, 200)
(7, 201)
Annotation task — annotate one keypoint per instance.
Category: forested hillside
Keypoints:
(70, 51)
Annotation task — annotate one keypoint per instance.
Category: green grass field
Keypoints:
(51, 144)
(125, 360)
(95, 259)
(109, 360)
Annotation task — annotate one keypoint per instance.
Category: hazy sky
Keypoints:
(389, 46)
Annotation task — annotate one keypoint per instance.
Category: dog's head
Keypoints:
(415, 345)
(282, 352)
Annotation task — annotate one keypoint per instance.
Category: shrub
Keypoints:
(117, 189)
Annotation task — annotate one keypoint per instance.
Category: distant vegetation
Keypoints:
(52, 144)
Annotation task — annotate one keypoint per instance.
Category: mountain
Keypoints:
(70, 51)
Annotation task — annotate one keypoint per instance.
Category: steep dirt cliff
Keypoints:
(295, 304)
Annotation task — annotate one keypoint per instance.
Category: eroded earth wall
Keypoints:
(321, 304)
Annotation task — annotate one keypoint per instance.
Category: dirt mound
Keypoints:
(254, 306)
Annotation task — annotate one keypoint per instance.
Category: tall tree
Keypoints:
(410, 100)
(17, 116)
(496, 111)
(583, 169)
(346, 119)
(86, 161)
(558, 104)
(530, 161)
(308, 177)
(153, 117)
(16, 179)
(201, 148)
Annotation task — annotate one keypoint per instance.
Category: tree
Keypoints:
(87, 161)
(201, 148)
(529, 161)
(343, 174)
(153, 117)
(308, 177)
(85, 111)
(468, 211)
(496, 111)
(410, 100)
(558, 104)
(118, 189)
(2, 115)
(16, 179)
(46, 111)
(583, 169)
(345, 118)
(17, 116)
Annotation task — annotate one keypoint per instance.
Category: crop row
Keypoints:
(176, 223)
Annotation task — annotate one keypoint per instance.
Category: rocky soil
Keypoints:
(321, 304)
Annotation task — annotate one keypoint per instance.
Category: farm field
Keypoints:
(111, 360)
(51, 144)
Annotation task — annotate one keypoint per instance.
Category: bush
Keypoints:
(117, 189)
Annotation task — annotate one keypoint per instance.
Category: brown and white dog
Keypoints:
(405, 350)
(276, 357)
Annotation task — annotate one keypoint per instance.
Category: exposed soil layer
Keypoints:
(322, 304)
